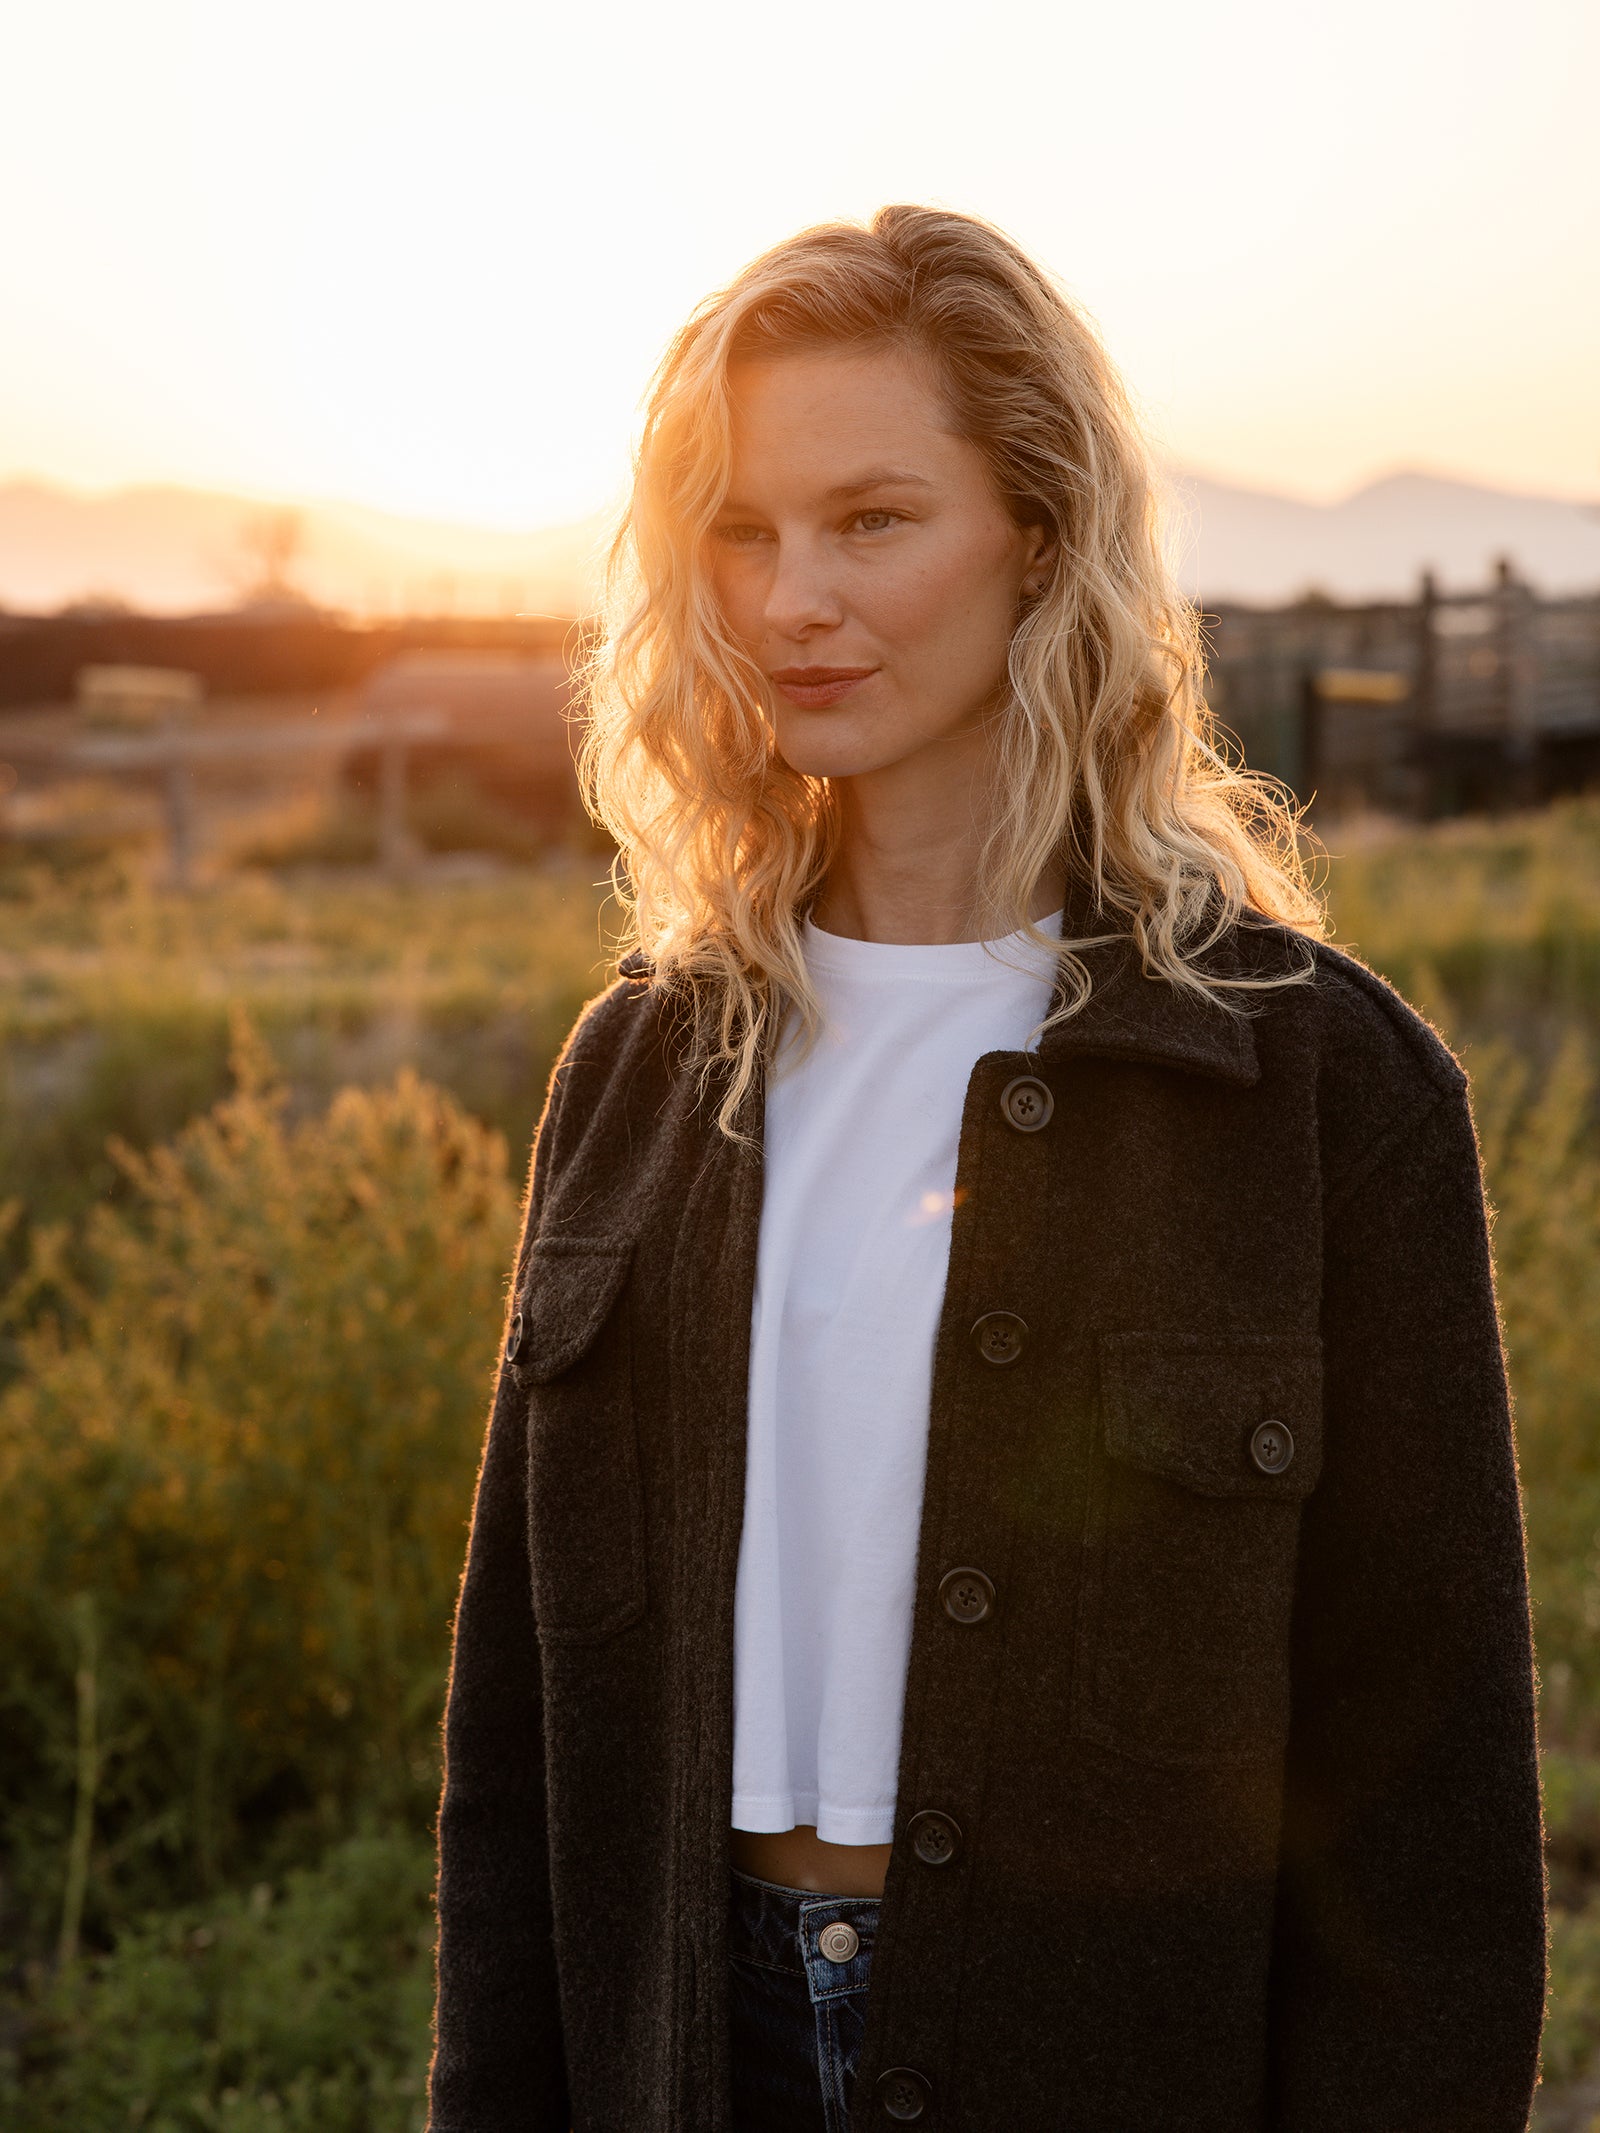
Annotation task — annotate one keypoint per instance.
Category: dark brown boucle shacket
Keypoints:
(1242, 1761)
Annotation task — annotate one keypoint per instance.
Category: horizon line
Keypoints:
(1174, 472)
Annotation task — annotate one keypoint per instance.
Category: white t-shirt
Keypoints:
(860, 1167)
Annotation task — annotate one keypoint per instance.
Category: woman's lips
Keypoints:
(811, 687)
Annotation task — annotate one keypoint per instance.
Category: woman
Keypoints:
(996, 1593)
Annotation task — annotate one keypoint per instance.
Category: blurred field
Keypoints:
(116, 1000)
(251, 1318)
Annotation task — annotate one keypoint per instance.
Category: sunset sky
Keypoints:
(425, 258)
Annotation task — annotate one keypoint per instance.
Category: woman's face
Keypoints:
(864, 562)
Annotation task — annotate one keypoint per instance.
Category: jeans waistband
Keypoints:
(782, 1929)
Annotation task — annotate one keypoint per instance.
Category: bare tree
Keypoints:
(270, 544)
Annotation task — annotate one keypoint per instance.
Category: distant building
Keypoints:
(505, 730)
(1428, 707)
(136, 695)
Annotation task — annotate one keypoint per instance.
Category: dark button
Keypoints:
(968, 1595)
(998, 1336)
(935, 1838)
(514, 1338)
(1271, 1447)
(904, 2094)
(1027, 1103)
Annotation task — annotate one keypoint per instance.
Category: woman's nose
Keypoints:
(801, 594)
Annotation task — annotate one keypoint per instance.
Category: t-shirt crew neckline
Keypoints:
(939, 962)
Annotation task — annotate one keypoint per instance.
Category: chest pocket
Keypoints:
(571, 1350)
(1208, 1448)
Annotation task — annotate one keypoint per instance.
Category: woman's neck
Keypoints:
(906, 867)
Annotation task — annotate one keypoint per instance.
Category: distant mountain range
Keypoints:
(186, 551)
(1242, 544)
(178, 550)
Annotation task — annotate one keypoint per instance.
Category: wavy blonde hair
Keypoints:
(1105, 755)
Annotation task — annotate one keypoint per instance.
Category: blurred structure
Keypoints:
(306, 737)
(244, 652)
(446, 734)
(157, 702)
(140, 697)
(453, 750)
(1446, 704)
(500, 731)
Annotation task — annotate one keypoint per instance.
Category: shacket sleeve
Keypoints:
(498, 2061)
(1409, 1952)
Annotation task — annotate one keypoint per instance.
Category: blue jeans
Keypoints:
(797, 2004)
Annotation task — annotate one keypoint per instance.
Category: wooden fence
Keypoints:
(1448, 702)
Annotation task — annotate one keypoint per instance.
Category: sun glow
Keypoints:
(427, 262)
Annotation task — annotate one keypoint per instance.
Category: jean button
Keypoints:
(838, 1942)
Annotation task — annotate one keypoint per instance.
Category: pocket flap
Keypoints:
(1192, 1407)
(567, 1291)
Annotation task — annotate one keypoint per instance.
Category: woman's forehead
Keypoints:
(838, 422)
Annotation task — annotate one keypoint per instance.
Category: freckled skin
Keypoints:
(862, 532)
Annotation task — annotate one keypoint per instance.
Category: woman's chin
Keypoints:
(818, 745)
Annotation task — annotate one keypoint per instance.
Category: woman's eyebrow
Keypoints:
(882, 478)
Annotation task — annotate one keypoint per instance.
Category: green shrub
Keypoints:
(303, 2009)
(235, 1476)
(1542, 1163)
(1496, 919)
(1572, 2019)
(115, 1007)
(1543, 1167)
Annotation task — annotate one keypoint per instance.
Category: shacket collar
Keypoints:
(1130, 1014)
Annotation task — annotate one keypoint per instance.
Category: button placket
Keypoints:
(932, 1842)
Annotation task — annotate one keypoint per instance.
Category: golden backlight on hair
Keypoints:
(1105, 752)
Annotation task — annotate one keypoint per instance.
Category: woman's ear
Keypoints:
(1043, 548)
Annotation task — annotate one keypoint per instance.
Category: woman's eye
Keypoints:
(739, 536)
(876, 521)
